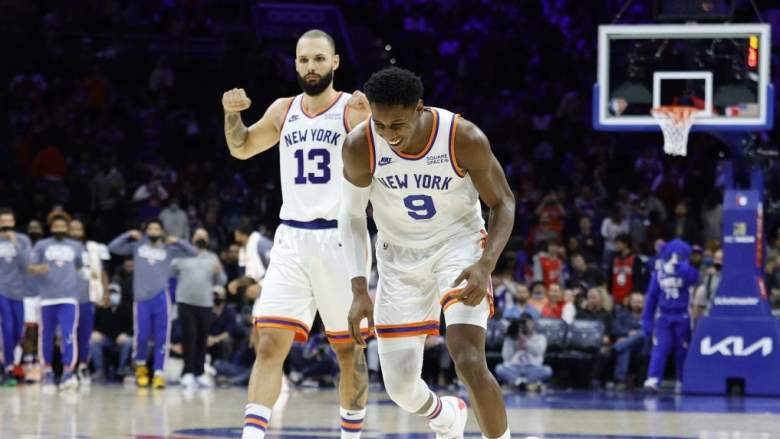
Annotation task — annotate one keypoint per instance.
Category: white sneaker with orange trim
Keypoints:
(458, 427)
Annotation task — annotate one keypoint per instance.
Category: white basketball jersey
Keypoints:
(310, 160)
(422, 200)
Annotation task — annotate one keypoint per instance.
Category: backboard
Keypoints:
(722, 69)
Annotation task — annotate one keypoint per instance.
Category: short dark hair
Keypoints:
(316, 33)
(55, 216)
(7, 211)
(244, 229)
(157, 221)
(624, 238)
(394, 86)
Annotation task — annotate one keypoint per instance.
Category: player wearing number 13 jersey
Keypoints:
(306, 272)
(424, 170)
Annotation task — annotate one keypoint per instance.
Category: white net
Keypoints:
(675, 122)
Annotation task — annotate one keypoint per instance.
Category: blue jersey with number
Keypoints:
(424, 199)
(672, 283)
(310, 160)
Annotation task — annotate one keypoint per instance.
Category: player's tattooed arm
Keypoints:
(474, 156)
(235, 130)
(245, 142)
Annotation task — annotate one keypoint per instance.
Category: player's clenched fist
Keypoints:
(235, 100)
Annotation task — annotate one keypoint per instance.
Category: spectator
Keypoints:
(197, 275)
(682, 225)
(697, 258)
(554, 307)
(114, 326)
(569, 312)
(50, 167)
(253, 258)
(583, 275)
(594, 310)
(538, 296)
(544, 231)
(627, 271)
(523, 356)
(612, 226)
(521, 305)
(314, 363)
(224, 331)
(548, 267)
(175, 220)
(162, 77)
(589, 241)
(629, 338)
(712, 217)
(149, 197)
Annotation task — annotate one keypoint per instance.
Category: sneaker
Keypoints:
(651, 385)
(69, 381)
(10, 381)
(456, 430)
(188, 381)
(535, 387)
(84, 376)
(159, 380)
(48, 385)
(205, 381)
(142, 376)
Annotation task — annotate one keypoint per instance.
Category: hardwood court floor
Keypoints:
(125, 412)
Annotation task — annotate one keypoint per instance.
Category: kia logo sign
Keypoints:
(735, 347)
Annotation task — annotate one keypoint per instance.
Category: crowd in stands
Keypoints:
(112, 114)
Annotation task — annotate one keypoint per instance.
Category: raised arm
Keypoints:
(358, 109)
(246, 142)
(125, 243)
(474, 157)
(352, 226)
(180, 248)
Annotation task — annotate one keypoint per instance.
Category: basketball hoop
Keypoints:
(675, 122)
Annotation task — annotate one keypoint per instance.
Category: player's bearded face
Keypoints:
(313, 84)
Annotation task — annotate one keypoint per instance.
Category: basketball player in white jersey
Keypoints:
(424, 170)
(306, 271)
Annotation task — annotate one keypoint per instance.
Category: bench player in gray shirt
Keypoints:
(152, 254)
(197, 276)
(57, 262)
(14, 257)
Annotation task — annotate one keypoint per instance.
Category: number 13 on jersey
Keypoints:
(321, 157)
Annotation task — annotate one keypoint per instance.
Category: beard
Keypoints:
(313, 89)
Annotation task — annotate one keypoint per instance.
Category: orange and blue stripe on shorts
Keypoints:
(255, 421)
(340, 337)
(300, 329)
(449, 298)
(352, 425)
(428, 327)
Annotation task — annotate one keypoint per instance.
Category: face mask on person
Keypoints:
(59, 236)
(201, 243)
(718, 266)
(114, 299)
(6, 229)
(155, 239)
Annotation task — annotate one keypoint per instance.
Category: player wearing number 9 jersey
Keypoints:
(306, 272)
(424, 170)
